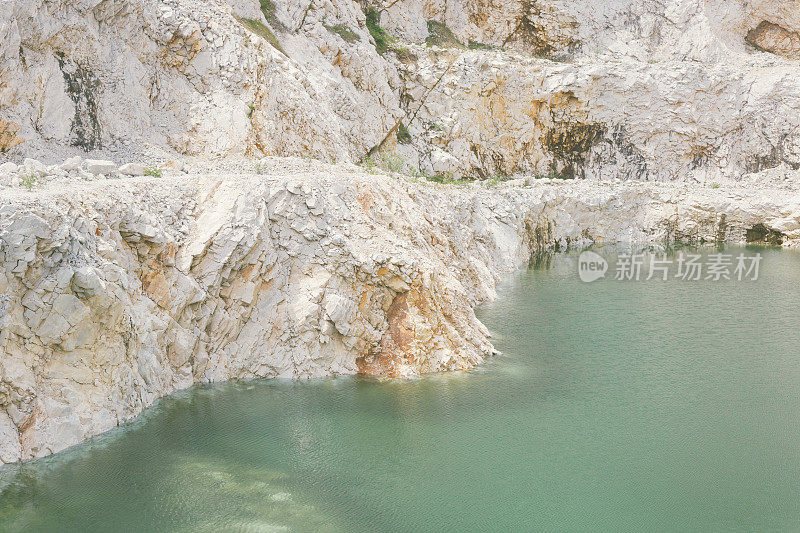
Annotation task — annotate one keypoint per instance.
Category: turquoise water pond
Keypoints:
(616, 405)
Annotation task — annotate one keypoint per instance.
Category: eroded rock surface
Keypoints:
(114, 293)
(637, 89)
(776, 39)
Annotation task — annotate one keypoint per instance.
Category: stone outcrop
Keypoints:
(637, 89)
(658, 121)
(776, 39)
(114, 293)
(193, 77)
(9, 136)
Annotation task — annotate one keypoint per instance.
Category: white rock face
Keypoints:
(678, 95)
(195, 77)
(114, 293)
(639, 89)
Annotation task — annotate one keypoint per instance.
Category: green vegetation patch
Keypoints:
(260, 29)
(404, 55)
(475, 45)
(441, 36)
(403, 136)
(386, 161)
(344, 32)
(29, 180)
(154, 172)
(381, 36)
(268, 8)
(447, 178)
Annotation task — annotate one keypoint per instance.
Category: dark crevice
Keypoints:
(761, 234)
(569, 144)
(81, 87)
(775, 157)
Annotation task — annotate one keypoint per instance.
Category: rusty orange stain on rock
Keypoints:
(400, 347)
(9, 135)
(363, 302)
(155, 284)
(366, 200)
(167, 254)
